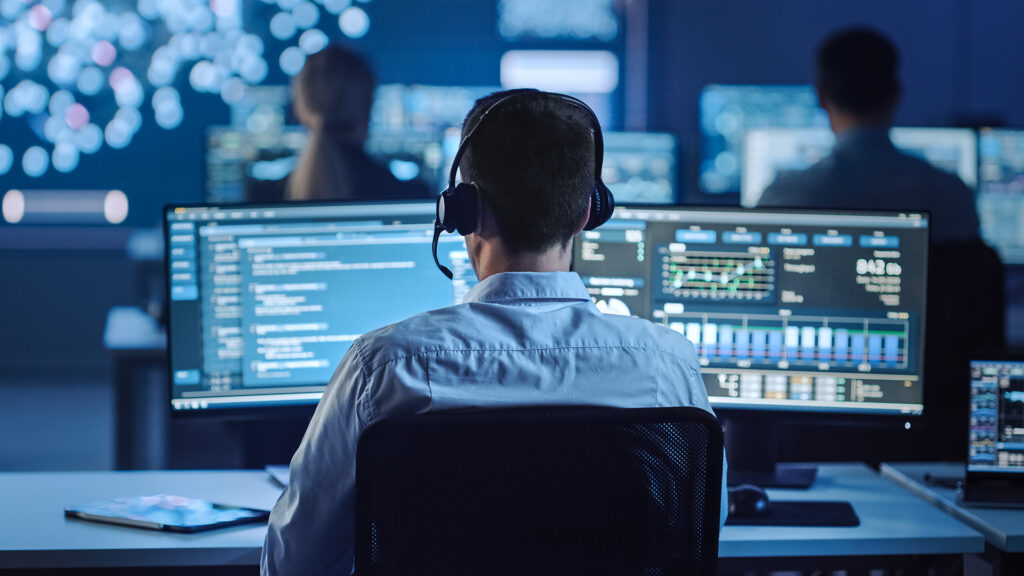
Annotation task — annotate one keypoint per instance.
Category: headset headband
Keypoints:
(459, 203)
(595, 129)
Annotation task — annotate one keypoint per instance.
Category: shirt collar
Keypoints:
(864, 137)
(508, 286)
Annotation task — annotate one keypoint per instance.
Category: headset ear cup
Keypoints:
(466, 208)
(602, 204)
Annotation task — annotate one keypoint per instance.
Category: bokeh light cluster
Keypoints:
(83, 71)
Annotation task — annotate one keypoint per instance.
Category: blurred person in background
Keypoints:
(333, 95)
(858, 85)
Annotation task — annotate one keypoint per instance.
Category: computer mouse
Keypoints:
(748, 501)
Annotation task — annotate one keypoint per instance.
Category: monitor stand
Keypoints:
(752, 449)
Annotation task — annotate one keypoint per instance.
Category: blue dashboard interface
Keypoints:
(786, 309)
(266, 300)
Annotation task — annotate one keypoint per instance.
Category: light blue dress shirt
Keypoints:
(865, 171)
(518, 338)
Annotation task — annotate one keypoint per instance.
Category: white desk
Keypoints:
(894, 523)
(1003, 528)
(35, 534)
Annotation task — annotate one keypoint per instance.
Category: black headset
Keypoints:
(458, 205)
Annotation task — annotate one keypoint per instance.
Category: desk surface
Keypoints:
(36, 534)
(1002, 527)
(892, 522)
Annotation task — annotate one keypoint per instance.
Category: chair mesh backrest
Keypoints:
(540, 491)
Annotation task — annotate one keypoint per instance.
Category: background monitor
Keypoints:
(769, 152)
(266, 299)
(640, 167)
(996, 442)
(243, 165)
(728, 112)
(1001, 192)
(952, 150)
(787, 310)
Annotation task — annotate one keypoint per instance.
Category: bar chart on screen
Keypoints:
(785, 341)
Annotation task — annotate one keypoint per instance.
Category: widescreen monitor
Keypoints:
(728, 112)
(797, 311)
(243, 165)
(1001, 192)
(264, 300)
(769, 152)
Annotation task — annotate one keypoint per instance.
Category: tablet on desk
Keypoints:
(166, 512)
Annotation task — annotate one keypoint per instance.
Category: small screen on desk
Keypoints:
(266, 299)
(787, 310)
(996, 442)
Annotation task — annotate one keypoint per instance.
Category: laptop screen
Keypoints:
(996, 442)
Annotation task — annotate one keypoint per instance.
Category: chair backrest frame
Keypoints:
(484, 491)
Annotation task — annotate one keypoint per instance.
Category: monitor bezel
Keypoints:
(885, 418)
(302, 409)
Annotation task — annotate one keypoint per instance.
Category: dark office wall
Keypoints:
(960, 58)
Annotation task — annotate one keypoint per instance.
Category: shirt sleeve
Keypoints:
(311, 528)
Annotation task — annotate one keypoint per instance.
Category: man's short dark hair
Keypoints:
(857, 71)
(533, 161)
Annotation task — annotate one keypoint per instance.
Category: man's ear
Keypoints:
(586, 216)
(486, 224)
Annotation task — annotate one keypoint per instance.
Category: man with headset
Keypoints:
(527, 334)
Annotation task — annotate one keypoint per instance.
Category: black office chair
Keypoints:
(547, 490)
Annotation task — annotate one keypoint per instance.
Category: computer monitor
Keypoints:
(1001, 192)
(953, 150)
(264, 300)
(423, 106)
(411, 155)
(769, 152)
(792, 313)
(996, 442)
(728, 112)
(242, 165)
(640, 167)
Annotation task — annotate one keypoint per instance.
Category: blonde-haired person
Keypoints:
(333, 95)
